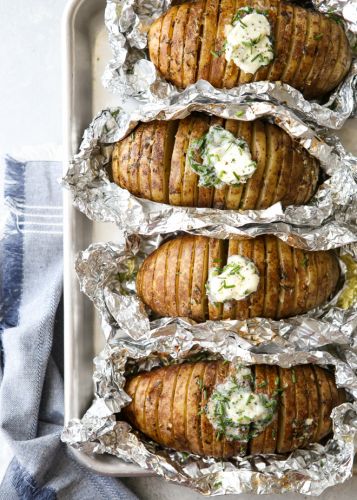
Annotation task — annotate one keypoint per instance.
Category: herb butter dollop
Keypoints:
(248, 41)
(238, 279)
(234, 409)
(226, 159)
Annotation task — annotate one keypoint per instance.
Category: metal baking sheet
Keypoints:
(85, 53)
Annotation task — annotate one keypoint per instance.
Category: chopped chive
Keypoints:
(216, 54)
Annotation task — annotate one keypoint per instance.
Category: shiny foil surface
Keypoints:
(308, 471)
(130, 73)
(107, 274)
(328, 221)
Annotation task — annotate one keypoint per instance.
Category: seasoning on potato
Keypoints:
(203, 278)
(210, 162)
(230, 43)
(212, 408)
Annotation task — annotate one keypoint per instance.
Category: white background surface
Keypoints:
(30, 98)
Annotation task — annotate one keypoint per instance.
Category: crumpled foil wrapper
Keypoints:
(308, 471)
(130, 73)
(329, 220)
(107, 274)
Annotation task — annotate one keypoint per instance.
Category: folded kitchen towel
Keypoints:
(31, 360)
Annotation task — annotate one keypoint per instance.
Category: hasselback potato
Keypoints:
(171, 405)
(310, 50)
(172, 280)
(153, 162)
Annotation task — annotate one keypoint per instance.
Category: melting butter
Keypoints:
(248, 41)
(238, 279)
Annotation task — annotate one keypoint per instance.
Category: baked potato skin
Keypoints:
(311, 50)
(155, 154)
(168, 406)
(292, 281)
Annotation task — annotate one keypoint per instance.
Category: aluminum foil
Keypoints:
(130, 73)
(308, 471)
(328, 221)
(107, 273)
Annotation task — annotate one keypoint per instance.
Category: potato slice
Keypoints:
(218, 63)
(157, 163)
(283, 193)
(313, 280)
(230, 306)
(160, 274)
(296, 49)
(259, 155)
(124, 161)
(245, 248)
(343, 58)
(155, 45)
(139, 402)
(189, 193)
(116, 164)
(165, 39)
(152, 397)
(314, 175)
(333, 388)
(145, 281)
(271, 431)
(208, 39)
(178, 161)
(192, 43)
(302, 409)
(244, 132)
(180, 406)
(272, 275)
(166, 416)
(312, 85)
(273, 166)
(193, 408)
(328, 280)
(325, 406)
(217, 257)
(283, 41)
(309, 50)
(286, 303)
(147, 141)
(134, 161)
(331, 61)
(172, 270)
(301, 290)
(207, 431)
(312, 403)
(199, 278)
(247, 132)
(257, 298)
(183, 296)
(131, 388)
(287, 411)
(234, 193)
(177, 46)
(256, 444)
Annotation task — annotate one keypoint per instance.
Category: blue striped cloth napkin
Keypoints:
(31, 347)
